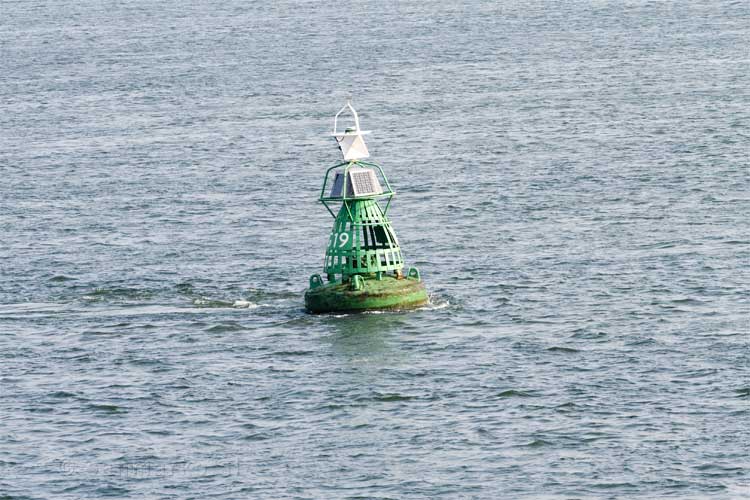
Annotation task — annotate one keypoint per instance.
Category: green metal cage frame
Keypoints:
(362, 241)
(389, 193)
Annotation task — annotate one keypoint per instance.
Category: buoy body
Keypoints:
(363, 263)
(386, 293)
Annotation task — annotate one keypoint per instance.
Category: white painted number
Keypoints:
(343, 238)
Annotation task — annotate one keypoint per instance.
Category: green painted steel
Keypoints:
(387, 193)
(363, 263)
(362, 241)
(387, 293)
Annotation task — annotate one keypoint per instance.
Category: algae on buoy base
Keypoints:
(363, 264)
(388, 293)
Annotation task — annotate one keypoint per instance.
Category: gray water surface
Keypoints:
(573, 185)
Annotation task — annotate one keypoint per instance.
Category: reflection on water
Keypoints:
(365, 338)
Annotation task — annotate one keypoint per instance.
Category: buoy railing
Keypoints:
(387, 193)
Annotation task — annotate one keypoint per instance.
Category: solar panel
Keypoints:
(338, 185)
(362, 182)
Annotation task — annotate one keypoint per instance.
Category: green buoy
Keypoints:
(364, 267)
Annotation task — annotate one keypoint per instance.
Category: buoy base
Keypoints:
(373, 294)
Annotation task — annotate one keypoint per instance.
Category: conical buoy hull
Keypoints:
(387, 293)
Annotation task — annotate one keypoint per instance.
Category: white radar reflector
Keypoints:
(350, 140)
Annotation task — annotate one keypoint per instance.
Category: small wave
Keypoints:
(718, 467)
(30, 307)
(436, 302)
(225, 327)
(562, 349)
(60, 278)
(688, 300)
(538, 443)
(513, 393)
(664, 244)
(258, 436)
(113, 491)
(61, 394)
(293, 353)
(185, 288)
(392, 397)
(437, 305)
(203, 302)
(107, 408)
(614, 485)
(245, 304)
(215, 303)
(565, 406)
(117, 293)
